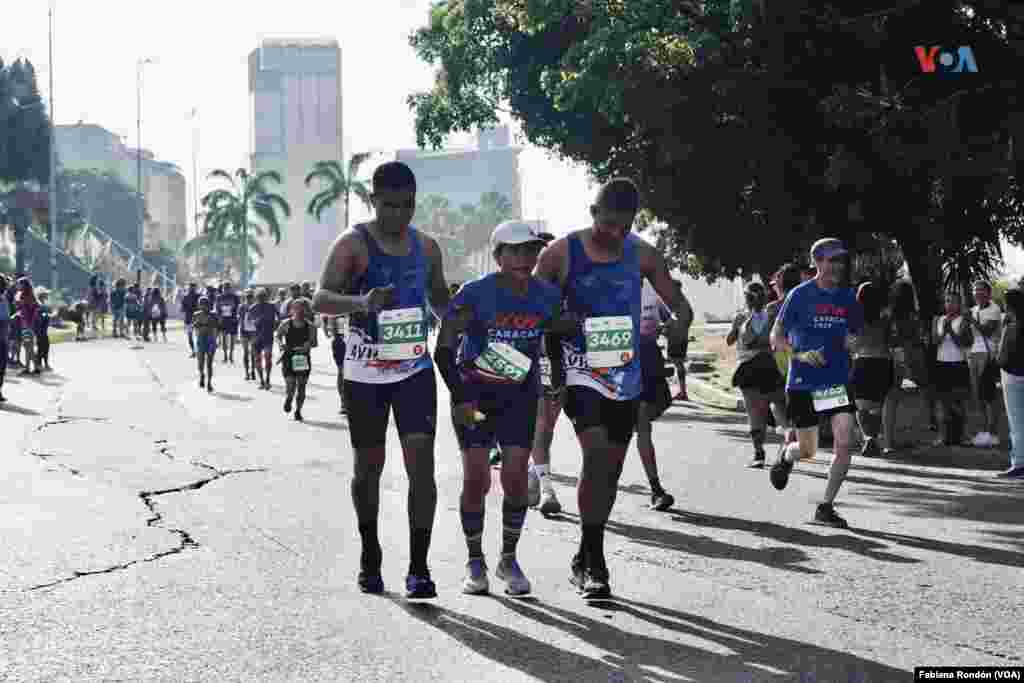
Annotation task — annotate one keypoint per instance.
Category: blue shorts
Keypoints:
(511, 412)
(338, 348)
(414, 401)
(206, 344)
(118, 315)
(263, 344)
(229, 325)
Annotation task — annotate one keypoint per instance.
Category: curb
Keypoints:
(715, 394)
(67, 334)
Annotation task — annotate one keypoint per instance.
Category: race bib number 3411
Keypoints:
(609, 341)
(402, 334)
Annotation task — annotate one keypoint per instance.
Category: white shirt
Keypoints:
(948, 351)
(651, 307)
(982, 316)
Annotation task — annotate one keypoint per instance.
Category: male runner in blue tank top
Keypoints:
(501, 319)
(600, 270)
(381, 274)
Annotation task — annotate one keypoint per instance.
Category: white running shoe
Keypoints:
(532, 488)
(993, 441)
(476, 581)
(982, 440)
(549, 504)
(511, 573)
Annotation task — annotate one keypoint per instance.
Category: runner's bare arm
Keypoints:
(346, 259)
(778, 339)
(438, 293)
(560, 327)
(654, 268)
(553, 263)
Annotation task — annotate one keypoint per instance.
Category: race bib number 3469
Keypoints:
(402, 334)
(609, 341)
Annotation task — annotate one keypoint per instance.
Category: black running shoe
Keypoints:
(419, 587)
(578, 572)
(870, 448)
(202, 383)
(595, 585)
(371, 583)
(757, 462)
(825, 515)
(662, 501)
(288, 405)
(298, 416)
(779, 473)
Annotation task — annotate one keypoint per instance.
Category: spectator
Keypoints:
(100, 303)
(680, 363)
(872, 365)
(157, 312)
(1011, 360)
(117, 303)
(42, 330)
(27, 310)
(906, 334)
(5, 325)
(953, 336)
(987, 319)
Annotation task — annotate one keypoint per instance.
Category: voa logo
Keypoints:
(946, 60)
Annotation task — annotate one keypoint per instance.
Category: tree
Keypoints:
(233, 217)
(24, 142)
(339, 184)
(748, 126)
(99, 198)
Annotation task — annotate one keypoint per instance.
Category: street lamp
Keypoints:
(53, 170)
(138, 177)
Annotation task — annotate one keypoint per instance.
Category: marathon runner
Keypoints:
(873, 371)
(5, 326)
(496, 324)
(265, 314)
(227, 309)
(117, 303)
(382, 274)
(206, 326)
(656, 397)
(295, 337)
(600, 271)
(817, 324)
(247, 321)
(189, 304)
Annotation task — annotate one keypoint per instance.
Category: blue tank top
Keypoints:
(503, 318)
(409, 274)
(605, 293)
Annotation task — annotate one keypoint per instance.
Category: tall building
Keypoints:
(295, 98)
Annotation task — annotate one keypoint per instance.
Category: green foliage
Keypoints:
(750, 128)
(24, 126)
(99, 198)
(234, 217)
(464, 230)
(337, 183)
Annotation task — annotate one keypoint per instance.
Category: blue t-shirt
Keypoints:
(813, 319)
(500, 315)
(117, 297)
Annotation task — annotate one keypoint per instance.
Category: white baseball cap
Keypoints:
(514, 232)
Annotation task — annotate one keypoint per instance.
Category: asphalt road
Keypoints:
(153, 532)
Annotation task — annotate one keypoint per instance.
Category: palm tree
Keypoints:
(338, 184)
(230, 217)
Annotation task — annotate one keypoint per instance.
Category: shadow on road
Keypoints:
(880, 483)
(991, 507)
(794, 535)
(980, 480)
(9, 408)
(979, 553)
(340, 426)
(232, 397)
(635, 489)
(956, 458)
(787, 558)
(631, 656)
(704, 416)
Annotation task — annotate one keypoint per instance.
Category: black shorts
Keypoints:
(338, 348)
(873, 378)
(414, 401)
(229, 325)
(511, 416)
(801, 413)
(287, 371)
(760, 374)
(652, 365)
(588, 409)
(952, 378)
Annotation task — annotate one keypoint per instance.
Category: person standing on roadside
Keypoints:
(953, 336)
(1011, 361)
(27, 311)
(987, 318)
(5, 329)
(906, 338)
(158, 313)
(818, 324)
(382, 274)
(43, 332)
(600, 271)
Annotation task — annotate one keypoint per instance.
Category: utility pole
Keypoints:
(54, 212)
(138, 170)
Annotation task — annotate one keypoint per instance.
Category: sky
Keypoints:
(201, 50)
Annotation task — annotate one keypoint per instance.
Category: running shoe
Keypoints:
(371, 583)
(298, 416)
(870, 448)
(662, 501)
(532, 488)
(288, 405)
(595, 585)
(202, 383)
(209, 387)
(511, 573)
(476, 582)
(779, 473)
(419, 587)
(549, 504)
(1012, 473)
(577, 572)
(825, 515)
(757, 462)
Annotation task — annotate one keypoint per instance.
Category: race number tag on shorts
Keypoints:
(402, 334)
(544, 365)
(227, 310)
(505, 361)
(609, 341)
(249, 325)
(827, 399)
(300, 362)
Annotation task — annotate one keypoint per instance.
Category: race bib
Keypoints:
(609, 341)
(544, 365)
(827, 399)
(300, 362)
(227, 310)
(402, 334)
(505, 361)
(156, 311)
(249, 325)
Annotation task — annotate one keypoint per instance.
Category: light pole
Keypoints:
(53, 171)
(138, 171)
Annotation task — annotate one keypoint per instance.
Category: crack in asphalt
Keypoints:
(70, 419)
(46, 456)
(185, 540)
